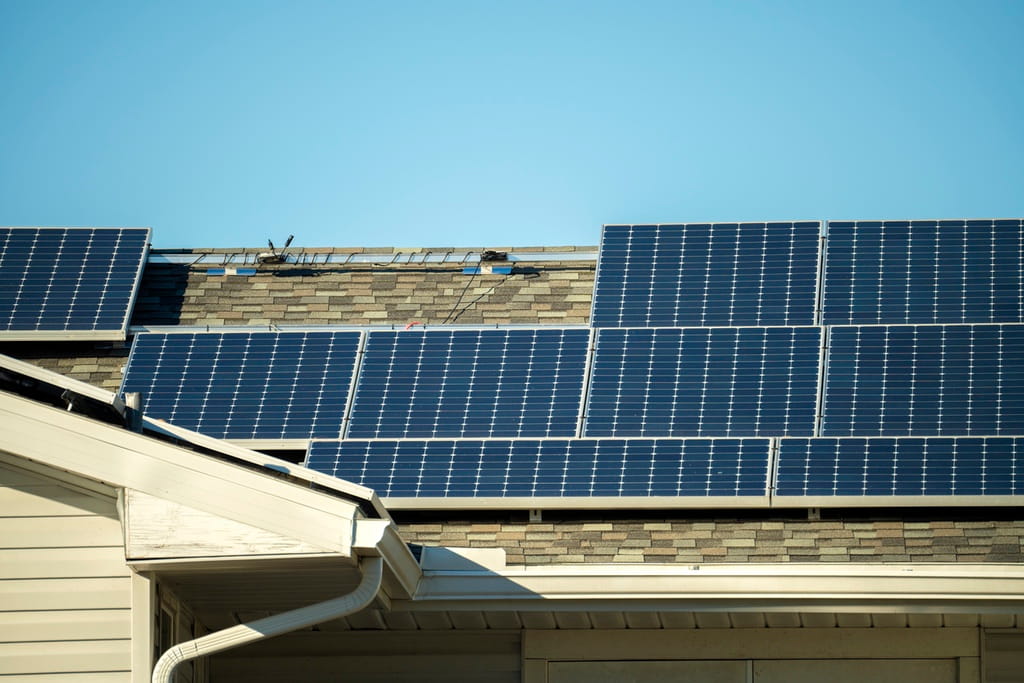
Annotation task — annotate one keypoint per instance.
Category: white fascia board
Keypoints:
(974, 500)
(968, 588)
(59, 380)
(62, 335)
(124, 459)
(271, 444)
(270, 462)
(575, 502)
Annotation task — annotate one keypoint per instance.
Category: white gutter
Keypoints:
(954, 588)
(229, 638)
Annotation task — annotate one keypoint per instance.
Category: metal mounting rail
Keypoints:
(340, 327)
(311, 258)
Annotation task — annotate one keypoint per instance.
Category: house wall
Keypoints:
(738, 655)
(65, 590)
(1003, 656)
(886, 655)
(375, 657)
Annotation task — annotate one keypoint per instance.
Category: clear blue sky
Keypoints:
(503, 123)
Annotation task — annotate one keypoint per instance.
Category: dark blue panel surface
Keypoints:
(962, 271)
(69, 279)
(549, 468)
(709, 274)
(704, 382)
(928, 380)
(964, 466)
(470, 383)
(261, 385)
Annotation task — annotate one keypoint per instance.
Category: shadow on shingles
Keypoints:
(161, 295)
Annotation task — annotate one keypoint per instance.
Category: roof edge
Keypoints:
(949, 588)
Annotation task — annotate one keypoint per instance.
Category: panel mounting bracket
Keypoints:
(536, 515)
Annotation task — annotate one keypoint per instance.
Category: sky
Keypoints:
(490, 124)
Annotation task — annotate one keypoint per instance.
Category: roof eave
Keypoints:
(945, 588)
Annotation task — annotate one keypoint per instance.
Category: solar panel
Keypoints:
(528, 469)
(854, 467)
(246, 385)
(956, 271)
(69, 283)
(928, 380)
(704, 382)
(707, 274)
(470, 383)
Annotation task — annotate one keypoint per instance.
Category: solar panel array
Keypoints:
(739, 381)
(958, 466)
(470, 383)
(61, 283)
(246, 385)
(925, 380)
(879, 359)
(904, 272)
(550, 468)
(707, 274)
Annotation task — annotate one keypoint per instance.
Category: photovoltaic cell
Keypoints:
(558, 468)
(956, 271)
(964, 466)
(704, 382)
(470, 383)
(928, 380)
(707, 274)
(54, 281)
(261, 385)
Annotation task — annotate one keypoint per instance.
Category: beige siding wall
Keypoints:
(741, 655)
(65, 591)
(1004, 656)
(368, 657)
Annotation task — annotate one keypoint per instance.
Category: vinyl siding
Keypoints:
(65, 590)
(1004, 656)
(419, 657)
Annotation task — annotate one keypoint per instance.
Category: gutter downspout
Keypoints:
(364, 593)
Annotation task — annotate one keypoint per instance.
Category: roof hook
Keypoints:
(273, 256)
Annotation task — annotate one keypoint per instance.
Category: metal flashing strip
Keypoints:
(577, 503)
(296, 327)
(231, 270)
(487, 270)
(314, 258)
(271, 444)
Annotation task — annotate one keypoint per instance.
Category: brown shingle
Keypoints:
(365, 294)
